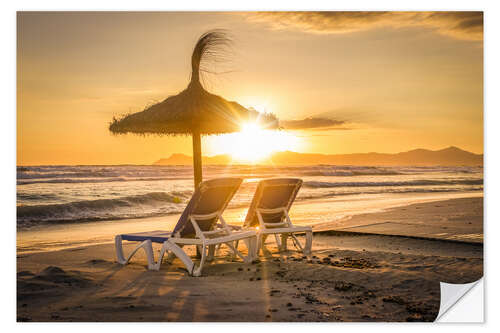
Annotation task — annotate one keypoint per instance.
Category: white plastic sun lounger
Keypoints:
(268, 213)
(197, 226)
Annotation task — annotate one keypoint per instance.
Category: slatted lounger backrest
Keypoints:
(212, 196)
(272, 194)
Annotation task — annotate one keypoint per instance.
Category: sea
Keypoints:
(48, 195)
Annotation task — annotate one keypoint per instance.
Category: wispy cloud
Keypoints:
(312, 123)
(460, 25)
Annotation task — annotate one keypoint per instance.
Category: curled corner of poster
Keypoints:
(462, 303)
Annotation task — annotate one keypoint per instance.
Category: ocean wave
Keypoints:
(95, 172)
(421, 182)
(43, 175)
(348, 173)
(153, 203)
(439, 169)
(310, 196)
(36, 196)
(93, 180)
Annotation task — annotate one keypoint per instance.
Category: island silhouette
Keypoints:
(451, 156)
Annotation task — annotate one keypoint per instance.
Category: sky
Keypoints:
(340, 82)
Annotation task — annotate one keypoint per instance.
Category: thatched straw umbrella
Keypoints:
(194, 111)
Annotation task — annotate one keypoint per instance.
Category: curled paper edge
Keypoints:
(453, 302)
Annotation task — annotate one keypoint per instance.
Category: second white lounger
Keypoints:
(268, 213)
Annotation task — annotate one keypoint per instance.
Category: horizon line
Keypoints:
(250, 164)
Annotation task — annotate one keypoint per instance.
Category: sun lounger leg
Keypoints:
(148, 248)
(253, 248)
(284, 238)
(236, 253)
(236, 243)
(156, 266)
(211, 253)
(234, 247)
(146, 245)
(278, 242)
(179, 253)
(251, 244)
(119, 250)
(265, 250)
(197, 270)
(297, 244)
(308, 246)
(260, 244)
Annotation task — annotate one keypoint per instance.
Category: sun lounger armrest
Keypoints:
(204, 217)
(271, 211)
(276, 225)
(235, 227)
(203, 234)
(283, 210)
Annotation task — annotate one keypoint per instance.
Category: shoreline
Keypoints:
(70, 235)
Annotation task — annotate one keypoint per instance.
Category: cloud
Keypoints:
(460, 25)
(312, 123)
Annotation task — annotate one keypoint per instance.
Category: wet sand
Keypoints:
(457, 219)
(352, 277)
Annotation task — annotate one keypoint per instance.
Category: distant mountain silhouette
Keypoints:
(451, 156)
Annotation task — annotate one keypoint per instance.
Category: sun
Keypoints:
(250, 144)
(253, 143)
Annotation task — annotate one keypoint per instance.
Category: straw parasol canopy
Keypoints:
(195, 111)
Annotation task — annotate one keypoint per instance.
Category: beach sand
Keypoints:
(358, 273)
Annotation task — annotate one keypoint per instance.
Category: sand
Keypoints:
(458, 219)
(353, 276)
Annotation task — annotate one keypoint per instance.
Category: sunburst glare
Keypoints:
(253, 143)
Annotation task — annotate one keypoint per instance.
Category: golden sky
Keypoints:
(341, 82)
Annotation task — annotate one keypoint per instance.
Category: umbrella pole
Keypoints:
(197, 169)
(197, 159)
